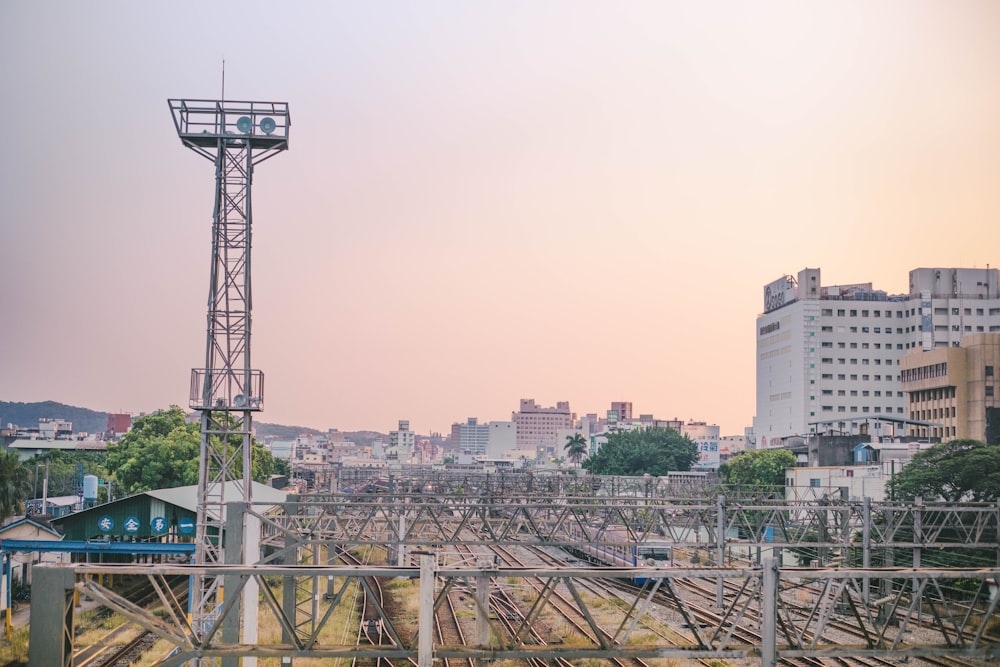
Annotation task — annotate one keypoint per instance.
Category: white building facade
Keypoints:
(828, 356)
(401, 442)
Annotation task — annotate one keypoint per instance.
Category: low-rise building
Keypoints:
(955, 389)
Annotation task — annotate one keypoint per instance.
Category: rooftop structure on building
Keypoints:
(828, 357)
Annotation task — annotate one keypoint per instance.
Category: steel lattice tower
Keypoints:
(236, 136)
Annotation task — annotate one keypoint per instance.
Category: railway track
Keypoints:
(111, 650)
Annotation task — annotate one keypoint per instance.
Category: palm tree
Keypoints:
(576, 447)
(15, 484)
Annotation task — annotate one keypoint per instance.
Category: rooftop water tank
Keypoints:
(90, 488)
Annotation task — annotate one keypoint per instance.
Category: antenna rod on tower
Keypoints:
(223, 97)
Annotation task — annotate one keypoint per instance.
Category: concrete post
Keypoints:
(866, 553)
(50, 643)
(401, 544)
(232, 550)
(720, 547)
(769, 614)
(251, 592)
(483, 607)
(425, 616)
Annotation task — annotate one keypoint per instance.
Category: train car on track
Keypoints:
(651, 553)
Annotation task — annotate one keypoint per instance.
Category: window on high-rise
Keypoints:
(989, 371)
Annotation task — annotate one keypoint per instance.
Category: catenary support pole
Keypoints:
(720, 548)
(483, 607)
(425, 616)
(769, 614)
(866, 553)
(50, 643)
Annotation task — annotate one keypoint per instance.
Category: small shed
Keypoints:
(30, 529)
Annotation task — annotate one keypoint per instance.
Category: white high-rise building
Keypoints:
(401, 442)
(828, 356)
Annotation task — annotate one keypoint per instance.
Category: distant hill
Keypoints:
(279, 432)
(26, 415)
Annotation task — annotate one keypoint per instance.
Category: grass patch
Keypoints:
(14, 653)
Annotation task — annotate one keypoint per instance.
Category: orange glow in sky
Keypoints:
(482, 201)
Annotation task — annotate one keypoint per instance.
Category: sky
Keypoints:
(481, 201)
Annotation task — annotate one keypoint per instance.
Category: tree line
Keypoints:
(162, 450)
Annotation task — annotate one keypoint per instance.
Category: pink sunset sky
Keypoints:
(482, 201)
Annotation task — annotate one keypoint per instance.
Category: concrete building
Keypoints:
(955, 389)
(620, 411)
(470, 437)
(537, 427)
(828, 357)
(118, 425)
(502, 439)
(706, 437)
(401, 442)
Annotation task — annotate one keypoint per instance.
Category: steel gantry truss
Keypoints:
(236, 136)
(764, 614)
(865, 531)
(306, 569)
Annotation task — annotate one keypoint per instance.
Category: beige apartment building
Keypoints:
(954, 388)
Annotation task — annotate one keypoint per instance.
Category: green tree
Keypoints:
(162, 450)
(576, 447)
(15, 483)
(760, 467)
(63, 466)
(959, 470)
(655, 451)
